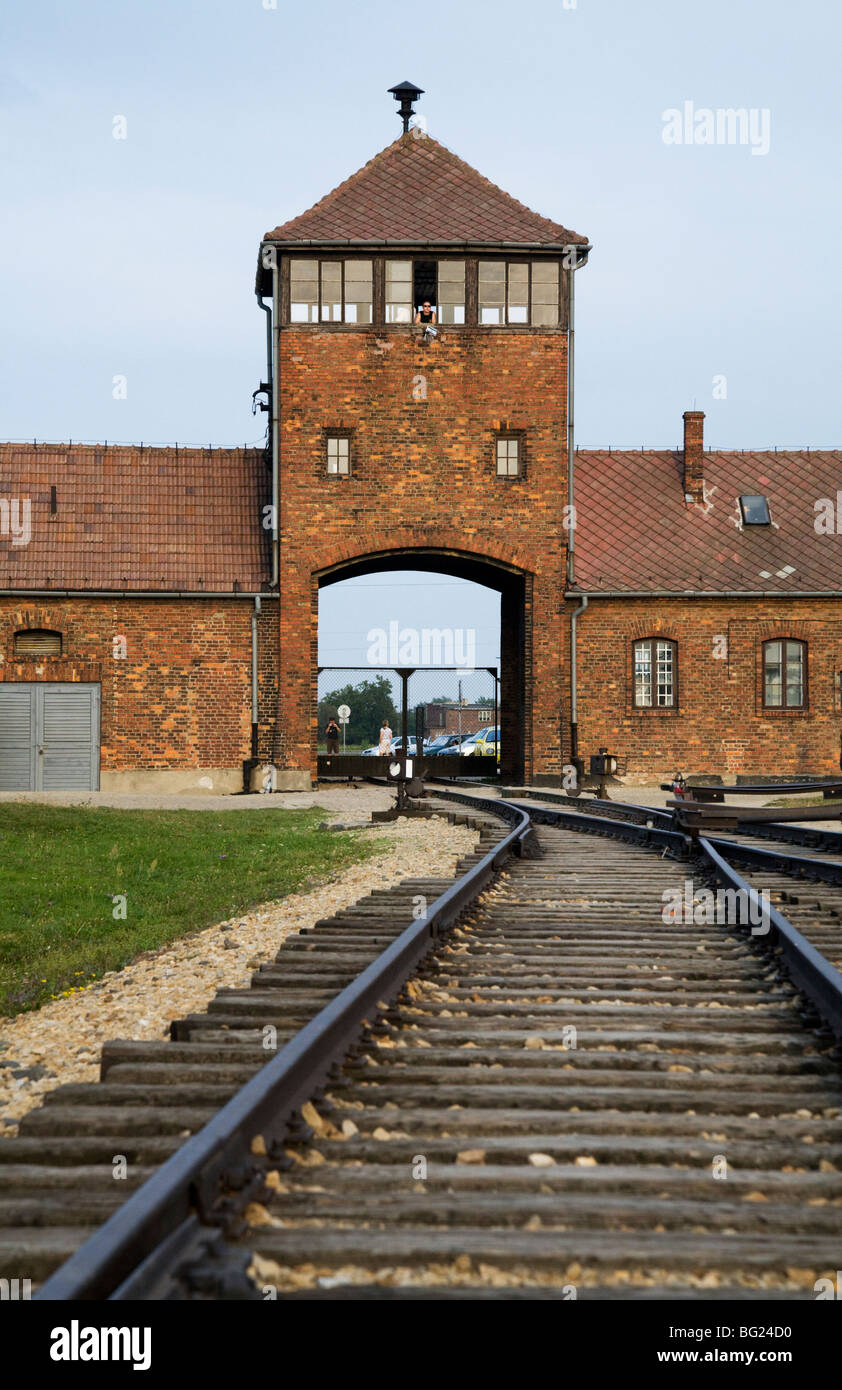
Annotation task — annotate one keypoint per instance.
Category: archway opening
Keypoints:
(458, 621)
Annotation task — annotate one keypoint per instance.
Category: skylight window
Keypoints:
(755, 511)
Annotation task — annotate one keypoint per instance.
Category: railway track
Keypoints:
(549, 1093)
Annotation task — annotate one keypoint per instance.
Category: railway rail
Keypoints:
(538, 1088)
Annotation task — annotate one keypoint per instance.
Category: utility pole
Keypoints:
(459, 689)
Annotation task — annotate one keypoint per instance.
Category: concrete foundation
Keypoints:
(207, 781)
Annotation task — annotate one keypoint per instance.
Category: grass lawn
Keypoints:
(62, 869)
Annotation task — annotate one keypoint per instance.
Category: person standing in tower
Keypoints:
(426, 314)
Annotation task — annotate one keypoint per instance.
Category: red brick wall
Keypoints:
(719, 724)
(424, 476)
(181, 698)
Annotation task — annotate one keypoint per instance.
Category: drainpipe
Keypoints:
(269, 259)
(571, 518)
(267, 309)
(275, 417)
(254, 710)
(571, 511)
(574, 691)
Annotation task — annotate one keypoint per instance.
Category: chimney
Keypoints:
(694, 455)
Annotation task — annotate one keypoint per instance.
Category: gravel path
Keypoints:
(61, 1042)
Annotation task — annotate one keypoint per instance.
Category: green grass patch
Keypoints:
(63, 870)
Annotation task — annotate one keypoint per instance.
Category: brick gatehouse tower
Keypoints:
(396, 448)
(159, 605)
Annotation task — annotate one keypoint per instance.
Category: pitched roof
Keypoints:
(189, 520)
(417, 191)
(134, 518)
(635, 531)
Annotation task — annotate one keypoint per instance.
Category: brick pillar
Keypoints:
(694, 454)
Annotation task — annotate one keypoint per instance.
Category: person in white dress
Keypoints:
(385, 744)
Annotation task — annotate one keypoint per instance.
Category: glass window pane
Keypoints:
(304, 291)
(399, 291)
(545, 294)
(358, 272)
(452, 273)
(338, 454)
(358, 293)
(508, 457)
(794, 674)
(643, 673)
(755, 510)
(665, 673)
(303, 270)
(492, 292)
(332, 291)
(451, 291)
(518, 281)
(399, 273)
(772, 673)
(518, 294)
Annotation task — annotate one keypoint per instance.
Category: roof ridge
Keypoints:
(388, 185)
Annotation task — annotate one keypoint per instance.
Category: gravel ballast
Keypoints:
(61, 1041)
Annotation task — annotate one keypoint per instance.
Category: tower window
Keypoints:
(330, 291)
(410, 284)
(784, 674)
(654, 674)
(37, 642)
(399, 291)
(518, 292)
(755, 511)
(451, 292)
(509, 456)
(338, 454)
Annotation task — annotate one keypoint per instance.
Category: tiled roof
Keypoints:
(182, 519)
(190, 519)
(416, 190)
(636, 532)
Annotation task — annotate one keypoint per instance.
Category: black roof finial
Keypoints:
(406, 93)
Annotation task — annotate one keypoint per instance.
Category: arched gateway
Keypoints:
(515, 589)
(439, 444)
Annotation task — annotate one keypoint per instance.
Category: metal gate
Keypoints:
(450, 716)
(49, 736)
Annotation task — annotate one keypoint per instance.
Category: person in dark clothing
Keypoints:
(332, 736)
(426, 314)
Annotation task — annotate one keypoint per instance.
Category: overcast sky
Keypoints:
(136, 256)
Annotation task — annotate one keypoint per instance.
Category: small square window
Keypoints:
(508, 457)
(755, 511)
(338, 454)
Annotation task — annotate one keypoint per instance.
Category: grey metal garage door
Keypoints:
(49, 737)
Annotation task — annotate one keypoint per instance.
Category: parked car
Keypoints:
(437, 745)
(485, 744)
(446, 743)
